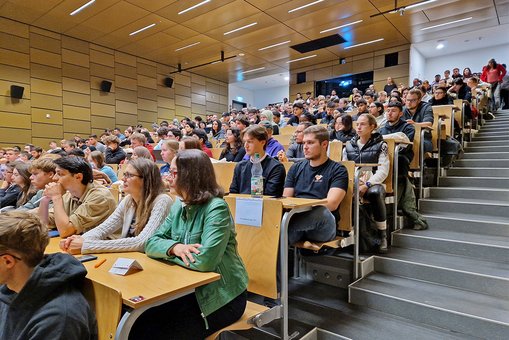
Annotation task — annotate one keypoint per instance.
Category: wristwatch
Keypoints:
(368, 184)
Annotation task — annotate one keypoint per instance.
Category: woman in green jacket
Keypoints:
(198, 234)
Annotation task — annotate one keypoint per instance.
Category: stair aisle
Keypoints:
(455, 275)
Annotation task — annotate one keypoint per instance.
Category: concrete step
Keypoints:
(320, 306)
(468, 312)
(485, 155)
(478, 172)
(471, 223)
(479, 137)
(480, 246)
(465, 206)
(491, 195)
(475, 182)
(494, 128)
(488, 148)
(448, 270)
(487, 143)
(487, 133)
(482, 163)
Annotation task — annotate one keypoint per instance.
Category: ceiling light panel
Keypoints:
(446, 23)
(142, 29)
(274, 45)
(193, 7)
(240, 28)
(79, 9)
(339, 27)
(190, 45)
(303, 58)
(364, 43)
(305, 6)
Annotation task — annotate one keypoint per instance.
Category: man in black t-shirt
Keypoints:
(316, 177)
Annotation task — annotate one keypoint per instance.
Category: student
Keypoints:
(255, 140)
(369, 147)
(42, 172)
(295, 151)
(101, 170)
(78, 203)
(316, 177)
(234, 151)
(21, 177)
(40, 294)
(9, 191)
(169, 149)
(199, 234)
(114, 153)
(138, 215)
(343, 130)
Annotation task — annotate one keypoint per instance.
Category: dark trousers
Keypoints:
(376, 198)
(181, 320)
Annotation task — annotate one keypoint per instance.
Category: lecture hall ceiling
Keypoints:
(198, 35)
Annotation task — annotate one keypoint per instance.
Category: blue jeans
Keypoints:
(317, 225)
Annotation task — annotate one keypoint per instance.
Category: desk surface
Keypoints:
(289, 202)
(157, 281)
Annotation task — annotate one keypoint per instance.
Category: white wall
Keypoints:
(235, 91)
(271, 95)
(475, 59)
(417, 65)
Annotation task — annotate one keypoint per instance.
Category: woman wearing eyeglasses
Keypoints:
(198, 234)
(138, 215)
(10, 191)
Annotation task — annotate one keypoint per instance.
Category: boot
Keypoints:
(382, 248)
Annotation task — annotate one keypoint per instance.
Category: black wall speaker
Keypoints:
(168, 82)
(301, 77)
(391, 59)
(106, 86)
(17, 91)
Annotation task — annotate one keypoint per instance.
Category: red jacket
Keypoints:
(501, 73)
(150, 149)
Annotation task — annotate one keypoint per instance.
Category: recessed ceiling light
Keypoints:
(76, 11)
(240, 28)
(241, 54)
(445, 23)
(287, 78)
(299, 59)
(193, 7)
(142, 29)
(191, 45)
(275, 45)
(304, 6)
(364, 43)
(345, 25)
(254, 70)
(440, 46)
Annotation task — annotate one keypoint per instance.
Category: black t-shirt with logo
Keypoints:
(315, 182)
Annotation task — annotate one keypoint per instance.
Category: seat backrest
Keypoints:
(336, 150)
(224, 174)
(446, 112)
(458, 103)
(107, 305)
(283, 139)
(345, 209)
(216, 152)
(415, 163)
(287, 166)
(391, 144)
(121, 170)
(114, 167)
(258, 247)
(287, 130)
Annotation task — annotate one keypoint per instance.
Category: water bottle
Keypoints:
(256, 177)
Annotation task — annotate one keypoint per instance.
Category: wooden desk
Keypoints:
(158, 282)
(292, 205)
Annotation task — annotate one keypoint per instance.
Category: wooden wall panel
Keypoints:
(61, 76)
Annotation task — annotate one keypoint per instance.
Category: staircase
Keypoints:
(455, 275)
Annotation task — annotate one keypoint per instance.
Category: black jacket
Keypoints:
(342, 135)
(114, 157)
(273, 177)
(9, 197)
(50, 305)
(369, 152)
(407, 129)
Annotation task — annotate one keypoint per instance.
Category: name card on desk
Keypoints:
(123, 266)
(249, 211)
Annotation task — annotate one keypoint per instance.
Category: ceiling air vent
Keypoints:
(317, 44)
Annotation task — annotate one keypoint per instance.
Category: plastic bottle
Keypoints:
(256, 177)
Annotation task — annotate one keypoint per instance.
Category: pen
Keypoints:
(97, 265)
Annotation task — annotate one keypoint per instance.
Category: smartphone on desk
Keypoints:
(86, 258)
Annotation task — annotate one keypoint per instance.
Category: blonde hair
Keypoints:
(23, 233)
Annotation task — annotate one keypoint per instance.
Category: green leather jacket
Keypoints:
(211, 225)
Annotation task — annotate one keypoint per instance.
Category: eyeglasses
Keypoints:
(173, 173)
(128, 175)
(17, 258)
(412, 100)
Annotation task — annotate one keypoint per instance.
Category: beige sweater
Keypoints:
(95, 240)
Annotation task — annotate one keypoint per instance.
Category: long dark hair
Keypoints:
(152, 187)
(493, 62)
(27, 191)
(238, 141)
(219, 125)
(196, 181)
